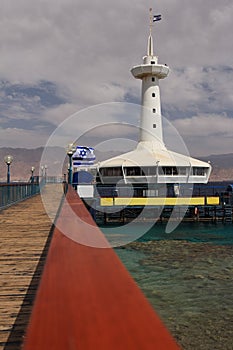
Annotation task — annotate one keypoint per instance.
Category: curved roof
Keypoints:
(146, 154)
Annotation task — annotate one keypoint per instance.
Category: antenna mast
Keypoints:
(151, 20)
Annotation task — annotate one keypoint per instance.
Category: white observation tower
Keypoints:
(151, 162)
(150, 72)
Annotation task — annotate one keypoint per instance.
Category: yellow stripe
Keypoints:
(196, 201)
(106, 202)
(152, 201)
(212, 200)
(140, 201)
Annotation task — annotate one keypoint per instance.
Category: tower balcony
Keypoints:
(158, 70)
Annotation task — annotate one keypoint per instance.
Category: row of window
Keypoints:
(147, 171)
(153, 95)
(116, 171)
(151, 171)
(153, 109)
(196, 171)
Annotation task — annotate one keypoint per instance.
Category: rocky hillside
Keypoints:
(222, 166)
(24, 159)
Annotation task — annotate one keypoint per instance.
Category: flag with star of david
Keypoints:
(83, 156)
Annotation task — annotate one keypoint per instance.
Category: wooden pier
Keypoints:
(25, 231)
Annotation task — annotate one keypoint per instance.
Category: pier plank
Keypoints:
(24, 231)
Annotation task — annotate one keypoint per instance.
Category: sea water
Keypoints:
(187, 276)
(220, 234)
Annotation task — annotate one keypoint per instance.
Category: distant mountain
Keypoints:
(25, 158)
(224, 161)
(222, 166)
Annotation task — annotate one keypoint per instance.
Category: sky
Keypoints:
(59, 57)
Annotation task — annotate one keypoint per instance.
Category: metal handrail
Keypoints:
(15, 192)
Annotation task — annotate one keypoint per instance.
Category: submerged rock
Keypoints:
(191, 287)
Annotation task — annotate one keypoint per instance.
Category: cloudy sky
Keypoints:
(58, 57)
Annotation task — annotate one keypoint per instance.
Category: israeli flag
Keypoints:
(157, 18)
(83, 156)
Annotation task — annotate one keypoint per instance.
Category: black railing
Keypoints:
(54, 179)
(16, 192)
(218, 189)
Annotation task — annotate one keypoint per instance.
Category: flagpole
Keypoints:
(150, 40)
(151, 20)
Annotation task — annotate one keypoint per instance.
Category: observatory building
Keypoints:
(152, 162)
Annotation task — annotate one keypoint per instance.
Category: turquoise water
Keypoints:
(220, 234)
(187, 276)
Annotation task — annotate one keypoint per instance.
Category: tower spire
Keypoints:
(150, 39)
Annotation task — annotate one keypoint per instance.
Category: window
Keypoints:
(168, 170)
(133, 171)
(198, 171)
(116, 171)
(152, 62)
(154, 110)
(154, 126)
(153, 94)
(182, 171)
(173, 171)
(153, 78)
